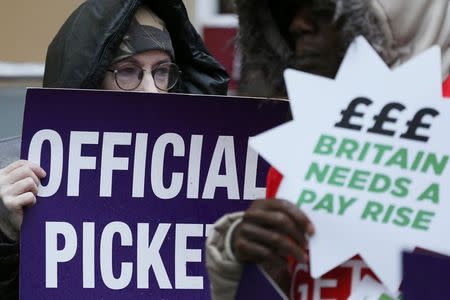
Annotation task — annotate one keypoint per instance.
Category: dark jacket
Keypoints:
(9, 251)
(83, 49)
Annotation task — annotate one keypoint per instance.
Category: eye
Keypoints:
(324, 13)
(162, 71)
(128, 71)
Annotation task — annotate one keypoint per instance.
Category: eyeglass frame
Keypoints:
(141, 75)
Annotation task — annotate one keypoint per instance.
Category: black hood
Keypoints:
(84, 46)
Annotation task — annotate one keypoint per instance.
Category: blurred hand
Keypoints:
(18, 189)
(271, 231)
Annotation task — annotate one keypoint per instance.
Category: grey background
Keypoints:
(12, 103)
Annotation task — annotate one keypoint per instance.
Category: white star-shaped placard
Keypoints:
(370, 189)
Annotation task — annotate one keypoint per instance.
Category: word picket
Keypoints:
(147, 257)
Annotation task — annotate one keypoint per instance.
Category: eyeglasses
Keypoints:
(165, 76)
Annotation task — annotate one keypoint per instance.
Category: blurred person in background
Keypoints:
(312, 36)
(131, 45)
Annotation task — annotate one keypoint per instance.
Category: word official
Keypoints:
(165, 147)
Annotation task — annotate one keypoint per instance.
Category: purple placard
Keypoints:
(255, 284)
(425, 276)
(108, 211)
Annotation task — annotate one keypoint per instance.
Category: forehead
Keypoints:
(148, 58)
(290, 4)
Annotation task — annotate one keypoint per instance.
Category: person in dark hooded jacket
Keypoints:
(146, 45)
(312, 36)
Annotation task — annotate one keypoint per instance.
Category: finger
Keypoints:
(13, 166)
(22, 173)
(249, 251)
(284, 242)
(276, 221)
(37, 170)
(27, 199)
(17, 203)
(275, 262)
(300, 219)
(34, 167)
(23, 186)
(280, 243)
(278, 268)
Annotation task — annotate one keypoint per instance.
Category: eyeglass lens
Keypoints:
(165, 76)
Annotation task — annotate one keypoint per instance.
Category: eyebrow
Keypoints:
(128, 59)
(136, 62)
(164, 61)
